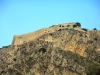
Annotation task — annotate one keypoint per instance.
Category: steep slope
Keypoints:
(64, 52)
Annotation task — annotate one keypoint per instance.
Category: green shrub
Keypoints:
(43, 50)
(74, 25)
(95, 29)
(30, 59)
(78, 24)
(14, 59)
(93, 70)
(84, 29)
(51, 34)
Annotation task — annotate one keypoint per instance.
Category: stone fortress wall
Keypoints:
(20, 39)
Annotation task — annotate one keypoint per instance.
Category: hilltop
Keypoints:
(20, 39)
(64, 49)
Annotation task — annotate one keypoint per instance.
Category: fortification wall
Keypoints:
(20, 39)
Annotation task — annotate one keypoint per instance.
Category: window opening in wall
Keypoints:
(68, 25)
(60, 26)
(74, 25)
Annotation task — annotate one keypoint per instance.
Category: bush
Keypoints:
(94, 29)
(5, 47)
(53, 25)
(30, 58)
(74, 25)
(14, 59)
(51, 34)
(29, 61)
(94, 70)
(78, 24)
(2, 71)
(43, 50)
(84, 29)
(95, 39)
(90, 41)
(30, 44)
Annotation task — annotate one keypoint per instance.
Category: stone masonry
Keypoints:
(20, 39)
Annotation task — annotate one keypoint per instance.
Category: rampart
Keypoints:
(20, 39)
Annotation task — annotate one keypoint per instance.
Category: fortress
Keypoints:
(20, 39)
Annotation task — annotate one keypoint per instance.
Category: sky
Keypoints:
(22, 16)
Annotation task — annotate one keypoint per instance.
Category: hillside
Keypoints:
(64, 51)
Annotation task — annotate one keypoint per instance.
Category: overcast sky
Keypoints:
(23, 16)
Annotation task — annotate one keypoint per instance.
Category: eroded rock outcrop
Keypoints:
(66, 51)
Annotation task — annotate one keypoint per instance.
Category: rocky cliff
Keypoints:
(67, 51)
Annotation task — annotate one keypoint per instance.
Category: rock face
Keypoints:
(67, 50)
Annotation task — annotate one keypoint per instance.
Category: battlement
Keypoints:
(20, 39)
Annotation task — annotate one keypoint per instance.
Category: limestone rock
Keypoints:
(63, 49)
